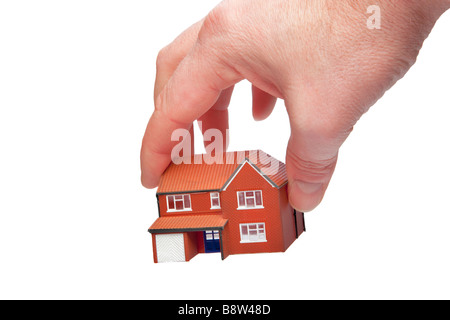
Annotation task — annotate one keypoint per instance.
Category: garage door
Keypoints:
(170, 247)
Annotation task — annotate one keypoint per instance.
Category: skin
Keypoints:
(318, 56)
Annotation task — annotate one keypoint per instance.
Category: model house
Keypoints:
(237, 206)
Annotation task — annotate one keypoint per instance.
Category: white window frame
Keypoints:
(212, 235)
(215, 195)
(179, 200)
(261, 234)
(245, 200)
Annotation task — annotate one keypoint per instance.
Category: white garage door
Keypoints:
(170, 247)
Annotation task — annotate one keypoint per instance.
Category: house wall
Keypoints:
(155, 255)
(190, 245)
(200, 242)
(200, 203)
(248, 179)
(288, 218)
(300, 223)
(225, 240)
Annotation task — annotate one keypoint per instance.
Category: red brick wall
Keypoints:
(200, 203)
(225, 247)
(287, 218)
(155, 255)
(200, 242)
(190, 245)
(248, 179)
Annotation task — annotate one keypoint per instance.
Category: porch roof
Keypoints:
(188, 223)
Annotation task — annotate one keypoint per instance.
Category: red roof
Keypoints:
(199, 174)
(188, 223)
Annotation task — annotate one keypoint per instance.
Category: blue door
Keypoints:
(212, 241)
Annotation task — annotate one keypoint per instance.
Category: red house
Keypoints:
(237, 206)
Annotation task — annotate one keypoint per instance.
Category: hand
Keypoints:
(318, 56)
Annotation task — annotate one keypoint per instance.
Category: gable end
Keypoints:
(236, 172)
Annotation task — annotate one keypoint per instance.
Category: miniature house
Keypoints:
(235, 207)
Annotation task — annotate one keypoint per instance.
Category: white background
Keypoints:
(76, 81)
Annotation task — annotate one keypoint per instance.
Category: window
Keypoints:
(212, 235)
(180, 202)
(253, 232)
(250, 200)
(215, 200)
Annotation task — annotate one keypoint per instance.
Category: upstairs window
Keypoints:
(215, 200)
(180, 202)
(250, 199)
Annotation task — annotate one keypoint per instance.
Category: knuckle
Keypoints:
(324, 124)
(328, 126)
(223, 33)
(329, 131)
(162, 57)
(215, 21)
(160, 102)
(225, 19)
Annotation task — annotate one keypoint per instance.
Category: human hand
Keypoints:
(318, 56)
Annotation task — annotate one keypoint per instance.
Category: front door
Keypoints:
(212, 241)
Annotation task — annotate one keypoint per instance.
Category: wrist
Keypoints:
(432, 9)
(442, 5)
(416, 17)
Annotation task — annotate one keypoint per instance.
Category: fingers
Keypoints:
(170, 57)
(193, 89)
(263, 104)
(167, 62)
(217, 117)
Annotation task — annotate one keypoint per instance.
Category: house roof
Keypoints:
(199, 174)
(188, 223)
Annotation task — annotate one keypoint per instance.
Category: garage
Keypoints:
(170, 247)
(181, 238)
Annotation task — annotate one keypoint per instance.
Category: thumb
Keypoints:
(308, 177)
(312, 155)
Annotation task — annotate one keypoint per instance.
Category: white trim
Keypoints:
(215, 235)
(245, 199)
(174, 202)
(258, 234)
(211, 198)
(262, 175)
(184, 210)
(234, 176)
(242, 165)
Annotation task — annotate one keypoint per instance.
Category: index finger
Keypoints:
(191, 91)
